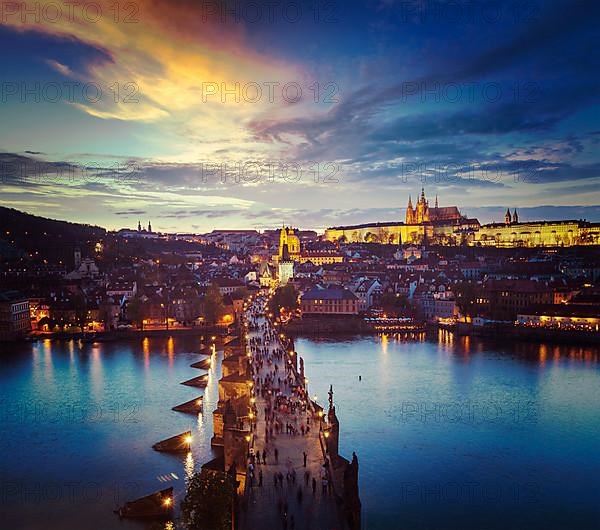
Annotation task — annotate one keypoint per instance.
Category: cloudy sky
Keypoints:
(246, 114)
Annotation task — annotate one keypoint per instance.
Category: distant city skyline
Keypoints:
(303, 219)
(116, 116)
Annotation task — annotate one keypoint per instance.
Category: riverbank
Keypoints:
(507, 332)
(354, 325)
(124, 335)
(350, 324)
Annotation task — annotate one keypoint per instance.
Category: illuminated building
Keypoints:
(329, 301)
(422, 213)
(447, 226)
(443, 225)
(15, 317)
(289, 243)
(285, 265)
(561, 316)
(512, 233)
(265, 276)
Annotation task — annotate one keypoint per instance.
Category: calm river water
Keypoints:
(450, 434)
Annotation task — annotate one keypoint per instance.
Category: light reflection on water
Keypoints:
(451, 433)
(461, 433)
(79, 421)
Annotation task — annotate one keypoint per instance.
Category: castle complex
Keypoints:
(447, 226)
(422, 213)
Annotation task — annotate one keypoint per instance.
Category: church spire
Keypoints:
(410, 201)
(507, 217)
(515, 217)
(436, 201)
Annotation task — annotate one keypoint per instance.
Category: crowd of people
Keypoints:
(287, 412)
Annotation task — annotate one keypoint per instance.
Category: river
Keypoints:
(450, 434)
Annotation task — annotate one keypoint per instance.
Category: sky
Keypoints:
(199, 115)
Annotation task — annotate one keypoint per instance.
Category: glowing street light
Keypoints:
(188, 439)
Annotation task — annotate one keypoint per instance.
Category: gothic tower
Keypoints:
(507, 217)
(285, 266)
(422, 214)
(515, 217)
(410, 217)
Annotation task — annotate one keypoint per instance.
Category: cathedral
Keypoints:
(423, 223)
(290, 241)
(447, 226)
(422, 213)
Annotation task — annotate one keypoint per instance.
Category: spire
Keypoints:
(436, 201)
(410, 202)
(139, 226)
(507, 217)
(149, 227)
(515, 217)
(423, 194)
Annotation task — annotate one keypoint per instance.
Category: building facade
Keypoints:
(329, 301)
(443, 225)
(447, 226)
(15, 316)
(537, 234)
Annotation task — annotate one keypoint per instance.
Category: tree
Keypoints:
(137, 310)
(81, 309)
(466, 296)
(214, 308)
(394, 304)
(105, 315)
(286, 297)
(208, 502)
(240, 293)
